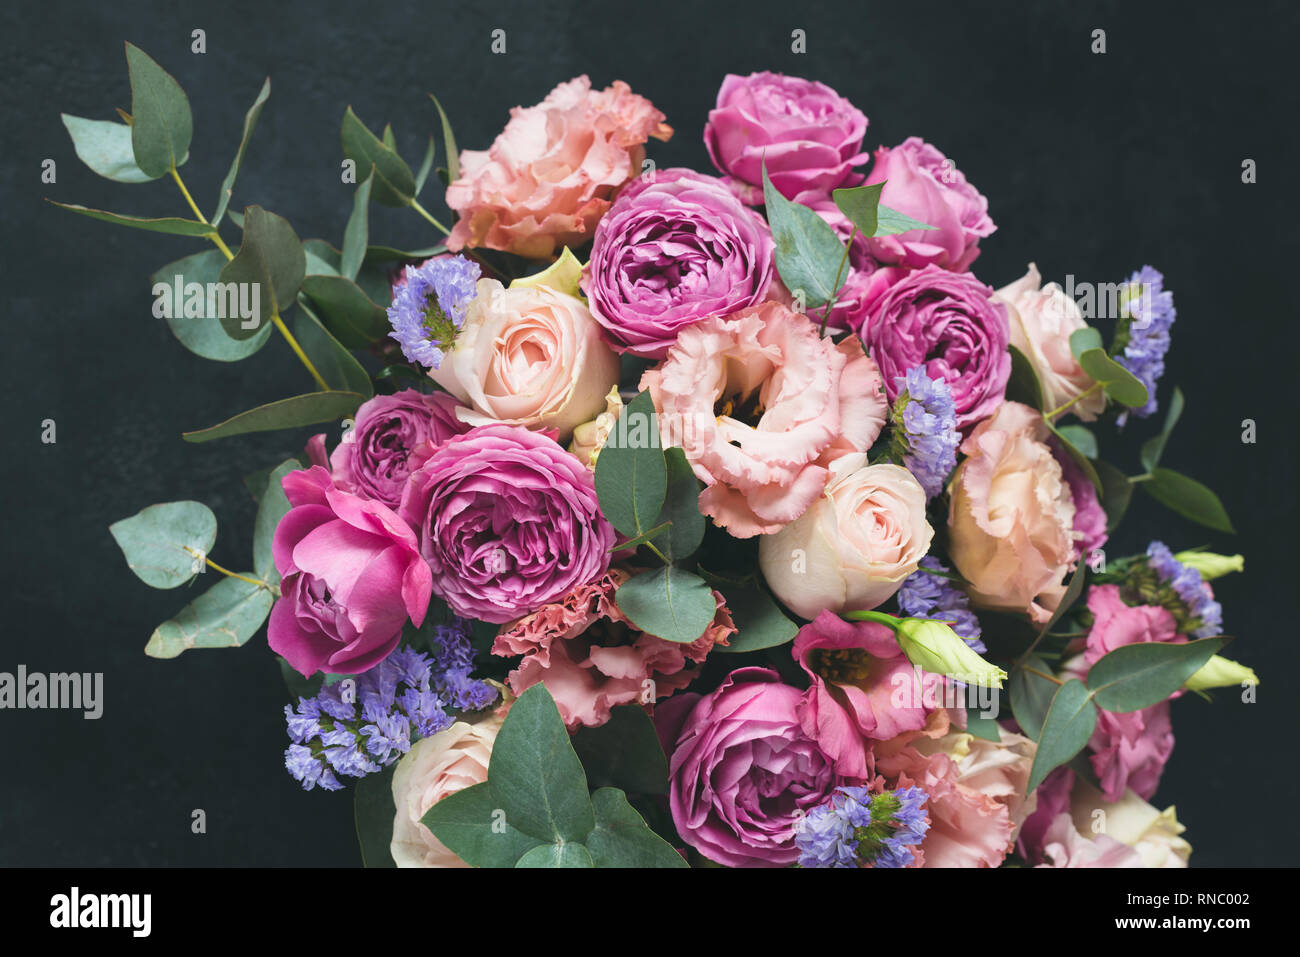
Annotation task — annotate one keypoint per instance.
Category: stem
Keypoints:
(293, 344)
(838, 272)
(226, 571)
(1035, 671)
(642, 539)
(425, 213)
(1082, 395)
(1144, 477)
(651, 546)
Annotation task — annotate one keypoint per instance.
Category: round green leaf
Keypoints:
(165, 544)
(631, 475)
(668, 603)
(203, 334)
(161, 123)
(226, 616)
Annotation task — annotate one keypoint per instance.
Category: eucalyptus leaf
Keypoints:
(631, 473)
(1154, 447)
(250, 123)
(681, 507)
(1144, 674)
(563, 854)
(394, 184)
(861, 205)
(339, 368)
(161, 123)
(1023, 386)
(272, 257)
(426, 166)
(448, 143)
(1066, 729)
(1119, 383)
(1081, 438)
(1030, 695)
(473, 826)
(373, 812)
(890, 222)
(808, 253)
(357, 234)
(204, 335)
(621, 837)
(668, 603)
(225, 616)
(346, 311)
(982, 727)
(312, 408)
(165, 224)
(272, 506)
(759, 622)
(1188, 498)
(165, 545)
(624, 752)
(105, 146)
(1082, 461)
(1116, 493)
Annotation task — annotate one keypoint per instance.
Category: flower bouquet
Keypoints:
(669, 518)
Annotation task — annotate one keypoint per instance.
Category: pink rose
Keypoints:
(591, 658)
(529, 356)
(1011, 516)
(553, 171)
(762, 405)
(809, 135)
(352, 575)
(924, 184)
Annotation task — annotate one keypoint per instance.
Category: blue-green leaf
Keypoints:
(631, 474)
(808, 253)
(1066, 729)
(667, 602)
(1141, 675)
(250, 123)
(165, 545)
(1189, 498)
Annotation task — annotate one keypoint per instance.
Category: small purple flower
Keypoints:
(1202, 609)
(1147, 313)
(856, 828)
(925, 428)
(925, 595)
(429, 307)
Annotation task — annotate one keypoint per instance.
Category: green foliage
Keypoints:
(226, 616)
(394, 184)
(204, 335)
(105, 146)
(1066, 729)
(1188, 498)
(312, 408)
(250, 123)
(272, 257)
(165, 544)
(1141, 675)
(668, 602)
(808, 253)
(161, 123)
(631, 474)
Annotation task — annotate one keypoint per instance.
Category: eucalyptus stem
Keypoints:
(226, 571)
(830, 303)
(1064, 406)
(415, 205)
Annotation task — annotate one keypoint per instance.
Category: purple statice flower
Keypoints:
(925, 436)
(1147, 313)
(856, 828)
(925, 595)
(1203, 612)
(453, 660)
(429, 307)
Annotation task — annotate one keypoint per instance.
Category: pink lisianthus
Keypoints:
(762, 405)
(591, 658)
(1115, 623)
(352, 576)
(1064, 846)
(1089, 516)
(553, 171)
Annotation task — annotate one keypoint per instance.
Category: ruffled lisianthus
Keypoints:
(552, 172)
(946, 323)
(429, 306)
(1090, 518)
(809, 136)
(923, 183)
(1011, 516)
(529, 356)
(373, 460)
(762, 405)
(592, 658)
(742, 771)
(676, 247)
(351, 577)
(507, 521)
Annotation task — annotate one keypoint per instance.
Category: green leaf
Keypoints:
(621, 837)
(394, 185)
(165, 544)
(563, 854)
(861, 205)
(808, 253)
(271, 256)
(357, 234)
(1140, 675)
(1081, 438)
(631, 474)
(981, 726)
(296, 684)
(1116, 493)
(667, 602)
(759, 622)
(1030, 695)
(1188, 498)
(272, 506)
(161, 123)
(681, 507)
(250, 123)
(1082, 461)
(891, 221)
(1023, 385)
(473, 826)
(624, 752)
(373, 812)
(105, 146)
(226, 616)
(337, 365)
(322, 258)
(1154, 447)
(426, 164)
(380, 255)
(204, 335)
(346, 311)
(1066, 729)
(299, 410)
(1120, 384)
(535, 775)
(166, 224)
(448, 143)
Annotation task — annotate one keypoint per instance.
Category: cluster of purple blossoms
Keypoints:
(1147, 314)
(453, 663)
(925, 436)
(855, 828)
(927, 595)
(1204, 614)
(429, 307)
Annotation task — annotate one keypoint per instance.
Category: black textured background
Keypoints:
(1093, 165)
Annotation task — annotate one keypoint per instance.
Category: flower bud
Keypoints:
(1211, 565)
(1221, 672)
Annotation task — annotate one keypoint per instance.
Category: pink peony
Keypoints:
(553, 171)
(591, 658)
(352, 575)
(762, 405)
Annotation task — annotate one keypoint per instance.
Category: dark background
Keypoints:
(1092, 164)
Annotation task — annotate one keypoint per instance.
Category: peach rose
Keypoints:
(1011, 516)
(529, 356)
(553, 171)
(435, 767)
(762, 405)
(1042, 319)
(852, 549)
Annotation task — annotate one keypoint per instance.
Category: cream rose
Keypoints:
(854, 546)
(1153, 833)
(529, 356)
(435, 767)
(1042, 320)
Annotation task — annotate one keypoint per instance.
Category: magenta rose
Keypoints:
(507, 520)
(810, 136)
(351, 576)
(676, 247)
(373, 460)
(742, 771)
(947, 323)
(924, 184)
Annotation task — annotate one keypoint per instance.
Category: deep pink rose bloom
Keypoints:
(948, 323)
(373, 460)
(924, 184)
(1089, 517)
(352, 575)
(675, 247)
(742, 771)
(862, 687)
(810, 136)
(507, 520)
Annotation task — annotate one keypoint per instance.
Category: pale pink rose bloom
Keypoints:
(435, 767)
(529, 356)
(1011, 515)
(851, 549)
(762, 405)
(553, 171)
(1042, 320)
(1064, 846)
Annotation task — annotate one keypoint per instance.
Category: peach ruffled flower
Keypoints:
(553, 171)
(762, 405)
